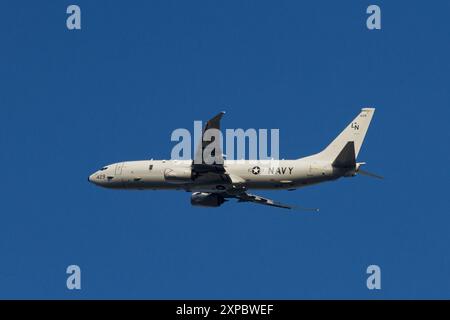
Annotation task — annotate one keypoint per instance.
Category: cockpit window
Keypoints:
(104, 168)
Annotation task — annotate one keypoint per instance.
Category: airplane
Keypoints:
(213, 184)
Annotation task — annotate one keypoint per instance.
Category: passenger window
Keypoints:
(150, 167)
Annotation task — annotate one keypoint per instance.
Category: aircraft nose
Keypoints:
(91, 178)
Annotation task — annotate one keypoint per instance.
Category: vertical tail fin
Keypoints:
(346, 158)
(354, 132)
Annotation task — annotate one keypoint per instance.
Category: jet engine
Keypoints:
(204, 199)
(178, 175)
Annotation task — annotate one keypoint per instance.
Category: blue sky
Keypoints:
(72, 101)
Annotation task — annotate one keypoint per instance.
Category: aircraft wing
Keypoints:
(247, 197)
(243, 196)
(199, 161)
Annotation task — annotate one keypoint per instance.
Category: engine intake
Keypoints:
(204, 199)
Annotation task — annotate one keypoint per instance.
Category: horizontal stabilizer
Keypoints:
(369, 174)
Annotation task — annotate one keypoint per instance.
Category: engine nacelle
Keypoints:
(205, 199)
(179, 175)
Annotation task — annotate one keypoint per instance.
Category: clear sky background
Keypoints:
(73, 101)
